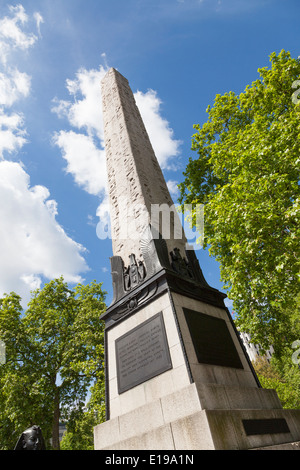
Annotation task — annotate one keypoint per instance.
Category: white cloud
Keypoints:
(86, 162)
(173, 188)
(32, 281)
(158, 128)
(33, 245)
(103, 229)
(86, 113)
(229, 303)
(39, 20)
(13, 86)
(12, 36)
(12, 133)
(19, 13)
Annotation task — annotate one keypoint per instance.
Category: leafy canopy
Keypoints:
(54, 353)
(247, 176)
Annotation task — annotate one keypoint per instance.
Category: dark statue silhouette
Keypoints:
(31, 439)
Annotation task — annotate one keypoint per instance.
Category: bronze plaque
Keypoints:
(254, 427)
(212, 340)
(142, 353)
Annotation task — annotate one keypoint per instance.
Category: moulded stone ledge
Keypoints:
(191, 418)
(218, 396)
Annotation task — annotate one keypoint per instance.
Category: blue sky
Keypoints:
(176, 54)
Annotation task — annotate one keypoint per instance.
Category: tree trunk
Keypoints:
(55, 425)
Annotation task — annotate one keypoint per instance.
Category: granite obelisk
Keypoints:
(136, 183)
(177, 375)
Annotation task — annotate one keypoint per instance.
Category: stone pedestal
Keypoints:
(205, 399)
(178, 422)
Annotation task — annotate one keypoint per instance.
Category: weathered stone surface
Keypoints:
(175, 378)
(135, 179)
(180, 421)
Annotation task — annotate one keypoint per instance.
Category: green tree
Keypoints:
(79, 435)
(247, 176)
(282, 376)
(54, 353)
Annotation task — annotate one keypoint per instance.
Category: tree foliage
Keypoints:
(282, 376)
(247, 176)
(54, 353)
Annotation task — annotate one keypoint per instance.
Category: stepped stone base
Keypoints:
(289, 446)
(191, 419)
